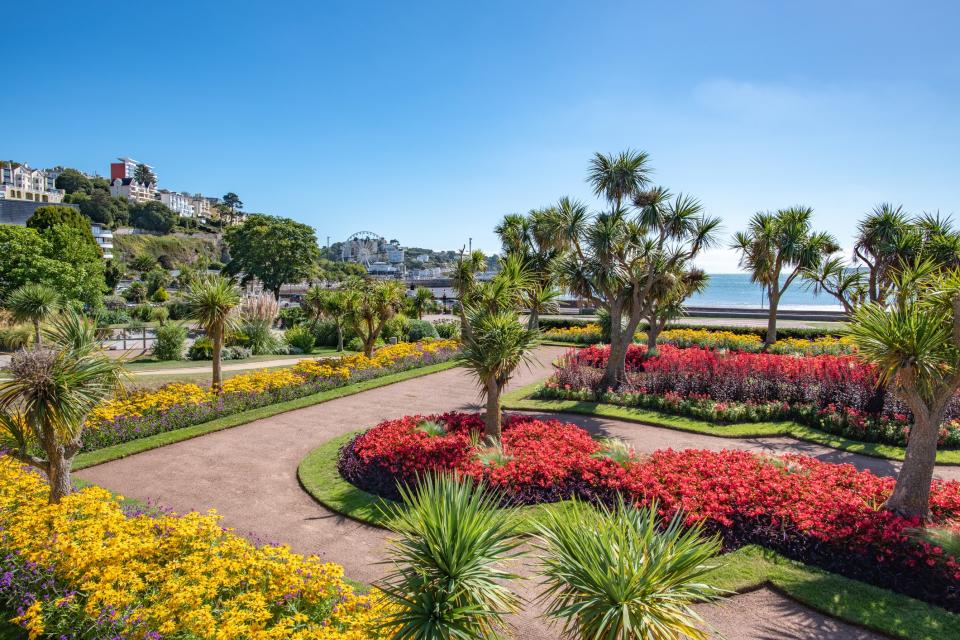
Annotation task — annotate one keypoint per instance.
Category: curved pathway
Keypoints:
(248, 474)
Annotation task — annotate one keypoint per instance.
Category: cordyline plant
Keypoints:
(51, 390)
(628, 261)
(447, 583)
(915, 346)
(212, 303)
(370, 304)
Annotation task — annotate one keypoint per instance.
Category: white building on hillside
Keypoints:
(104, 237)
(181, 203)
(21, 182)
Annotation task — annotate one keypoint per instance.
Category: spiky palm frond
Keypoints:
(212, 303)
(617, 177)
(632, 578)
(447, 582)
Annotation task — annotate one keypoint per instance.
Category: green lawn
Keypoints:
(520, 400)
(742, 570)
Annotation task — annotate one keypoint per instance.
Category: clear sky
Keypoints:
(427, 122)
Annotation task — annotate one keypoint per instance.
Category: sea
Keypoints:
(736, 290)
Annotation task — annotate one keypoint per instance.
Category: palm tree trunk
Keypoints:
(58, 474)
(492, 420)
(339, 338)
(774, 296)
(533, 321)
(36, 331)
(217, 375)
(911, 494)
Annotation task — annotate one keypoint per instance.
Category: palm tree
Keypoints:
(777, 241)
(494, 341)
(51, 391)
(915, 346)
(370, 304)
(631, 578)
(420, 302)
(34, 303)
(618, 177)
(465, 281)
(332, 304)
(669, 294)
(212, 303)
(447, 584)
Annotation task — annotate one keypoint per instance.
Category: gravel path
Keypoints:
(248, 473)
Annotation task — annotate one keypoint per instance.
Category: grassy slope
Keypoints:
(742, 570)
(91, 458)
(520, 400)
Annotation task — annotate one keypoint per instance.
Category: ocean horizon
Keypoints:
(737, 290)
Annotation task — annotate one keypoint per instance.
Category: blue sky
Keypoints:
(427, 122)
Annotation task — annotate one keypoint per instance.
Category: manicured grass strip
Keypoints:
(10, 631)
(843, 598)
(743, 570)
(521, 400)
(91, 458)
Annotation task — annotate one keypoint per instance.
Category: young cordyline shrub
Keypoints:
(620, 451)
(447, 581)
(632, 578)
(257, 315)
(432, 428)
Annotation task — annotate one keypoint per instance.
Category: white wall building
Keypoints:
(132, 190)
(181, 203)
(104, 237)
(21, 182)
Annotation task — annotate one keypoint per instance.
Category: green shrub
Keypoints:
(291, 317)
(170, 342)
(237, 352)
(420, 329)
(448, 329)
(201, 349)
(15, 337)
(396, 327)
(299, 337)
(160, 295)
(258, 337)
(159, 314)
(356, 344)
(142, 312)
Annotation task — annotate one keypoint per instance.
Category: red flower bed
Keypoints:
(816, 512)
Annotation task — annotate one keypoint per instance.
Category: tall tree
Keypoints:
(668, 297)
(73, 181)
(48, 217)
(621, 261)
(233, 201)
(370, 304)
(273, 250)
(420, 301)
(153, 216)
(465, 280)
(618, 177)
(144, 175)
(51, 390)
(778, 243)
(915, 345)
(212, 303)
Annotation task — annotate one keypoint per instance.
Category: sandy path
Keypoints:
(248, 473)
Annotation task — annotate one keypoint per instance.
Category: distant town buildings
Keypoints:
(181, 203)
(104, 237)
(21, 182)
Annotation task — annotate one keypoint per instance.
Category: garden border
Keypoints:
(521, 400)
(125, 449)
(746, 569)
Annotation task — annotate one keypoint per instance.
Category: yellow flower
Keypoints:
(183, 575)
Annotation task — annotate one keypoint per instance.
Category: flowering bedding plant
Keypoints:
(178, 405)
(86, 569)
(711, 339)
(838, 394)
(816, 512)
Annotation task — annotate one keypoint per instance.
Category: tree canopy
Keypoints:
(273, 250)
(153, 216)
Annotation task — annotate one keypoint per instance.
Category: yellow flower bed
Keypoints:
(136, 404)
(184, 576)
(585, 333)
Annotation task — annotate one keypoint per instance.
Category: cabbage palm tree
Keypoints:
(331, 304)
(212, 303)
(50, 392)
(618, 177)
(370, 304)
(616, 573)
(465, 281)
(915, 346)
(777, 241)
(420, 302)
(494, 341)
(447, 583)
(34, 303)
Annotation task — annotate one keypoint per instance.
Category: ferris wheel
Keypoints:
(363, 247)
